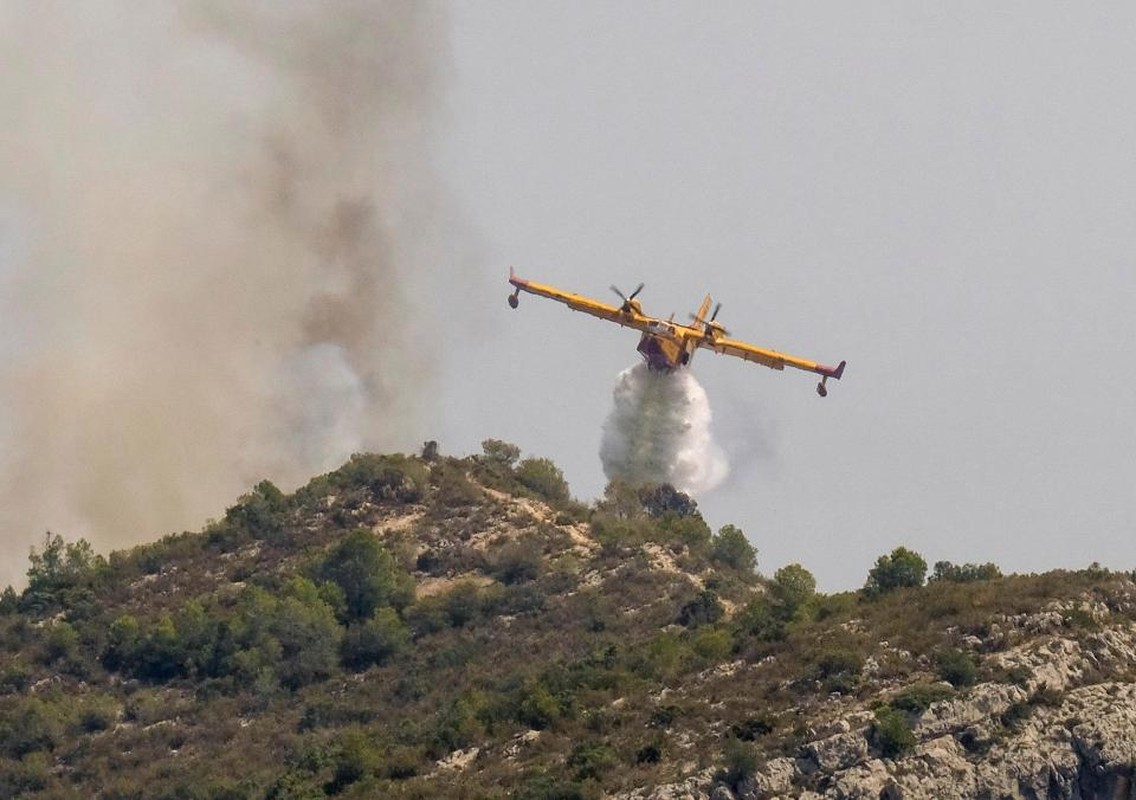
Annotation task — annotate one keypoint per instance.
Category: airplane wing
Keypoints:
(577, 302)
(769, 358)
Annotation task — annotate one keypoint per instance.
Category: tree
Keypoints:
(544, 478)
(964, 573)
(60, 573)
(663, 499)
(500, 454)
(793, 588)
(903, 568)
(368, 575)
(730, 547)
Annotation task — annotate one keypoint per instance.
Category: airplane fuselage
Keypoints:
(664, 349)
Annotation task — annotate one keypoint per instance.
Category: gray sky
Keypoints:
(942, 194)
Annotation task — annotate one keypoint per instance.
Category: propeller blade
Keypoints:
(615, 289)
(638, 289)
(717, 308)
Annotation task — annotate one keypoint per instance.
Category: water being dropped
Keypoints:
(659, 432)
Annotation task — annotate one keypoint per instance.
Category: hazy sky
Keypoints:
(942, 194)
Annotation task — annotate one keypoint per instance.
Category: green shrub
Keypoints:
(891, 733)
(545, 478)
(704, 609)
(357, 759)
(760, 620)
(29, 725)
(918, 697)
(956, 667)
(739, 761)
(539, 785)
(750, 729)
(518, 561)
(712, 644)
(537, 707)
(592, 760)
(838, 670)
(452, 487)
(260, 514)
(375, 641)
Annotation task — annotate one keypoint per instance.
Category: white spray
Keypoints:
(659, 432)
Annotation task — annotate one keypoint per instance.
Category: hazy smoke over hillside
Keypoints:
(659, 431)
(207, 213)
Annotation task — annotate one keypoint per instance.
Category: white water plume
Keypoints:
(659, 432)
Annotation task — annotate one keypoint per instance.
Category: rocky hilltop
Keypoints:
(1063, 727)
(439, 627)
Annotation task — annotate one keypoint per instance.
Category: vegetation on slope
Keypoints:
(430, 626)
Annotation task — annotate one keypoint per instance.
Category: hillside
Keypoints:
(437, 627)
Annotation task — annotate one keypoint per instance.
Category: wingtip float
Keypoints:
(667, 345)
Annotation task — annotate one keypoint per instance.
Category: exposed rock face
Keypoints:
(1064, 730)
(1051, 738)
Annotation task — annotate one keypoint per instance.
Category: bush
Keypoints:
(702, 610)
(453, 488)
(539, 785)
(545, 478)
(592, 760)
(740, 762)
(891, 733)
(761, 620)
(357, 759)
(713, 644)
(956, 667)
(918, 697)
(537, 707)
(260, 514)
(375, 641)
(839, 670)
(518, 561)
(690, 531)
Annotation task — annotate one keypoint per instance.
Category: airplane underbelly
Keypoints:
(660, 353)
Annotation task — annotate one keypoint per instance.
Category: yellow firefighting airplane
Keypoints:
(667, 345)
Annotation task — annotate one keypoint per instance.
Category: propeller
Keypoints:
(706, 324)
(627, 299)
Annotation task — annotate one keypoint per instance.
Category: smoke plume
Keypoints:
(659, 432)
(208, 211)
